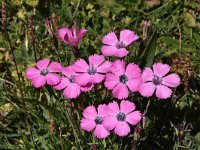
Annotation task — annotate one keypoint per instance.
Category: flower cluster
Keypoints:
(75, 78)
(122, 80)
(117, 76)
(110, 117)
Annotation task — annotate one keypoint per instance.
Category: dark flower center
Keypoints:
(71, 79)
(98, 120)
(44, 72)
(157, 80)
(123, 79)
(91, 70)
(121, 116)
(120, 45)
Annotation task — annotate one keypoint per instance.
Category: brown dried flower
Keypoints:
(182, 66)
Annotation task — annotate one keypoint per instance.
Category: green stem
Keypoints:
(145, 112)
(15, 62)
(57, 54)
(74, 15)
(34, 50)
(32, 139)
(73, 128)
(65, 55)
(60, 136)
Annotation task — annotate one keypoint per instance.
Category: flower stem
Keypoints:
(74, 15)
(15, 62)
(34, 50)
(6, 36)
(31, 28)
(144, 114)
(74, 130)
(75, 52)
(57, 52)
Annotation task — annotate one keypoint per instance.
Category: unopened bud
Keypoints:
(145, 29)
(55, 21)
(48, 25)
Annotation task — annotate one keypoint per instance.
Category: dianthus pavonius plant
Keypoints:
(118, 76)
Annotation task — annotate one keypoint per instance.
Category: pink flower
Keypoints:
(156, 80)
(44, 73)
(68, 83)
(115, 47)
(95, 120)
(87, 87)
(121, 79)
(72, 36)
(118, 118)
(92, 73)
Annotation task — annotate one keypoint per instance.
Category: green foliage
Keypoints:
(44, 119)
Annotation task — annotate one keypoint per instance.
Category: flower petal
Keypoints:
(118, 67)
(104, 68)
(102, 110)
(163, 92)
(39, 81)
(133, 84)
(68, 71)
(52, 79)
(110, 39)
(87, 87)
(96, 78)
(80, 66)
(133, 71)
(112, 109)
(110, 122)
(55, 67)
(109, 50)
(127, 37)
(42, 64)
(101, 132)
(90, 112)
(147, 75)
(74, 28)
(111, 81)
(96, 60)
(121, 52)
(32, 73)
(73, 41)
(81, 33)
(172, 80)
(160, 69)
(147, 89)
(87, 124)
(72, 91)
(134, 117)
(82, 79)
(122, 128)
(62, 32)
(127, 106)
(120, 91)
(63, 83)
